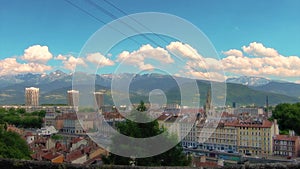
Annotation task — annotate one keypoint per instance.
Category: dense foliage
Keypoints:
(172, 157)
(12, 145)
(288, 116)
(20, 118)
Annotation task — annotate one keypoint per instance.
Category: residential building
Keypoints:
(32, 96)
(99, 99)
(255, 137)
(251, 111)
(53, 157)
(222, 137)
(286, 145)
(50, 119)
(77, 142)
(71, 125)
(73, 98)
(78, 123)
(188, 132)
(15, 129)
(47, 131)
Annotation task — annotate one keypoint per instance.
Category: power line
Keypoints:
(124, 13)
(84, 11)
(99, 20)
(157, 35)
(115, 17)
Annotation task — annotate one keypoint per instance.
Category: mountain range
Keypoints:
(54, 86)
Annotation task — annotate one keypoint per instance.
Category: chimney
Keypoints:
(291, 133)
(267, 103)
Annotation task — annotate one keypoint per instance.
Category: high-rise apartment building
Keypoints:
(73, 98)
(32, 96)
(99, 99)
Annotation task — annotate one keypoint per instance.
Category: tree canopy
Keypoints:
(20, 118)
(288, 116)
(173, 157)
(13, 146)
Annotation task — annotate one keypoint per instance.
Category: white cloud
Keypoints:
(233, 52)
(258, 49)
(137, 58)
(184, 50)
(266, 62)
(210, 69)
(99, 59)
(10, 66)
(60, 57)
(37, 54)
(71, 63)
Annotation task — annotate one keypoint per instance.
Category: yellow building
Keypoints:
(188, 132)
(255, 137)
(170, 123)
(221, 137)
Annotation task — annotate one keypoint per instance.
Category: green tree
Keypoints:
(13, 146)
(21, 111)
(141, 107)
(288, 116)
(11, 110)
(172, 157)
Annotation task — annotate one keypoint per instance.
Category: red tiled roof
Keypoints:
(163, 117)
(76, 140)
(74, 155)
(286, 137)
(50, 155)
(29, 134)
(90, 161)
(248, 123)
(206, 164)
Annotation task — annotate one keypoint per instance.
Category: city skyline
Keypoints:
(259, 39)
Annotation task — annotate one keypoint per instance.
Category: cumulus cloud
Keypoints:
(253, 60)
(233, 52)
(184, 50)
(137, 58)
(258, 49)
(34, 60)
(60, 57)
(71, 63)
(10, 66)
(209, 69)
(99, 59)
(37, 54)
(266, 62)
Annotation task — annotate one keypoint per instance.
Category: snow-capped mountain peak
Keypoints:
(249, 80)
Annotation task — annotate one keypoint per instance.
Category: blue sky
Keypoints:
(229, 24)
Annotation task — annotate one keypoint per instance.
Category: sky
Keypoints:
(252, 38)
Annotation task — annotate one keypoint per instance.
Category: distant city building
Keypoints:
(73, 98)
(47, 131)
(172, 108)
(252, 111)
(32, 96)
(49, 119)
(286, 145)
(233, 104)
(99, 99)
(208, 104)
(222, 138)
